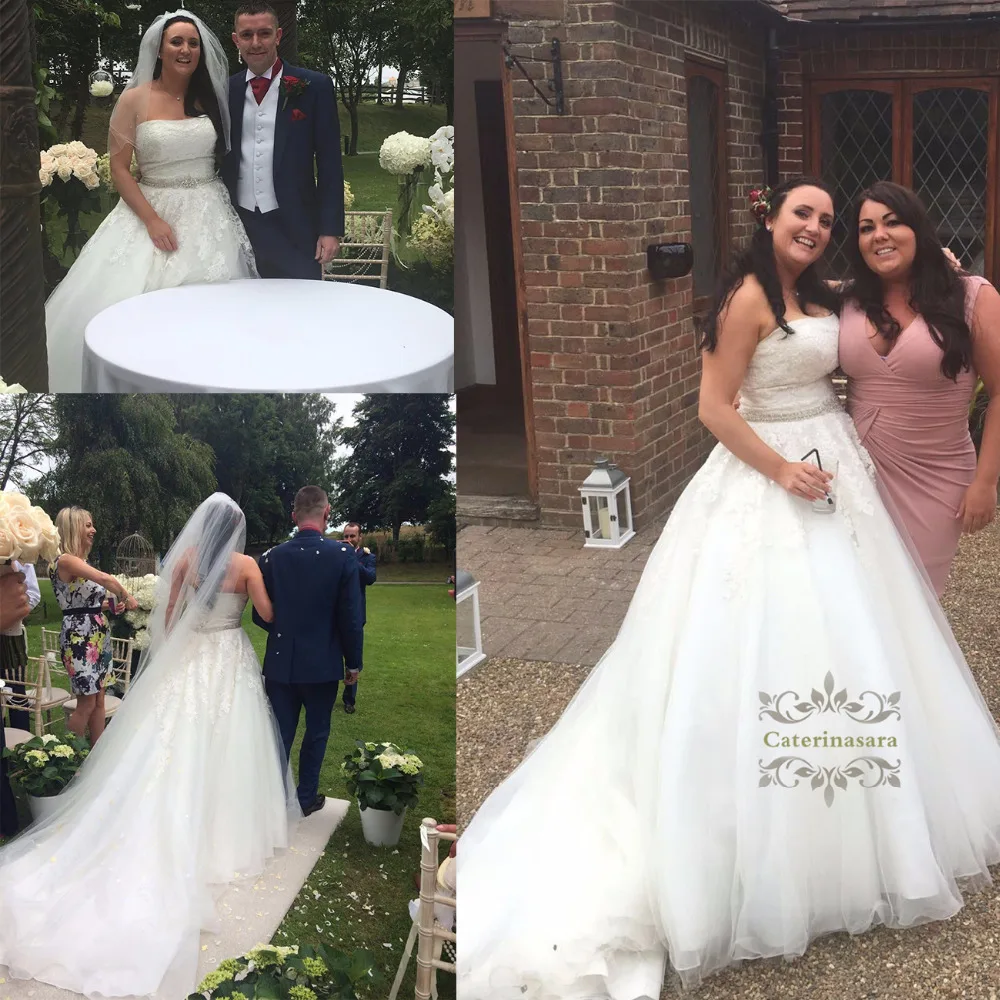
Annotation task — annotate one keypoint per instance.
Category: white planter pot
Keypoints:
(382, 827)
(42, 806)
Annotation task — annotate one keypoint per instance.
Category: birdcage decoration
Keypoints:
(134, 558)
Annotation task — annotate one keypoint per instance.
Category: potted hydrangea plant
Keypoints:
(301, 972)
(384, 780)
(43, 766)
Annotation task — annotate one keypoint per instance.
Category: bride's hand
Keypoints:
(161, 234)
(802, 479)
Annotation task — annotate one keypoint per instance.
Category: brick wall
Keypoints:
(826, 50)
(614, 369)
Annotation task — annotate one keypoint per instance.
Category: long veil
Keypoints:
(187, 786)
(132, 108)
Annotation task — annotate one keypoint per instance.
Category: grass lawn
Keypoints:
(406, 695)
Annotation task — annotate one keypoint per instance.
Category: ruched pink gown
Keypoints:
(915, 424)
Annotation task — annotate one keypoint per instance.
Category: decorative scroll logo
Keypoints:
(868, 708)
(778, 772)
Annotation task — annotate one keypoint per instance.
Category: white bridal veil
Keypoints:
(132, 107)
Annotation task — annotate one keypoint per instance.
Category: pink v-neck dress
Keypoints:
(915, 424)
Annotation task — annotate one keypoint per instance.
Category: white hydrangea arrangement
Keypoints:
(402, 153)
(143, 589)
(382, 776)
(67, 160)
(26, 532)
(102, 88)
(433, 232)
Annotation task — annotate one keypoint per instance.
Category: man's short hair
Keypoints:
(310, 501)
(254, 7)
(353, 524)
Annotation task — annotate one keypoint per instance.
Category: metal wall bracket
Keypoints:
(555, 84)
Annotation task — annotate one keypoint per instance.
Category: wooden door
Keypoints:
(938, 136)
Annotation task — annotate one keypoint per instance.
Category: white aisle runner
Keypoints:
(250, 909)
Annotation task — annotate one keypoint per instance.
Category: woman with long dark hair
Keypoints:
(708, 795)
(915, 335)
(175, 224)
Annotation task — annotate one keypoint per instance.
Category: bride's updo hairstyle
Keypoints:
(200, 90)
(758, 259)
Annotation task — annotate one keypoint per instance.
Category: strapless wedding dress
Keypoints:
(177, 164)
(187, 787)
(676, 812)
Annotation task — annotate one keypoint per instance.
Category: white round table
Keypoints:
(270, 335)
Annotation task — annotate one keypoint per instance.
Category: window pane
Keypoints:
(856, 139)
(950, 151)
(703, 172)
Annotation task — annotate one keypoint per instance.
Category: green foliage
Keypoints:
(47, 135)
(400, 453)
(44, 765)
(381, 776)
(419, 279)
(441, 521)
(27, 426)
(122, 458)
(410, 548)
(300, 972)
(266, 447)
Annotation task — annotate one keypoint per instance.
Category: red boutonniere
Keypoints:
(292, 86)
(297, 115)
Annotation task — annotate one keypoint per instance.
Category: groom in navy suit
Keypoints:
(283, 170)
(315, 639)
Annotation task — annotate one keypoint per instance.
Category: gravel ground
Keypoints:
(507, 703)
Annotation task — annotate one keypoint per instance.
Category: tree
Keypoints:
(266, 447)
(27, 428)
(401, 453)
(421, 37)
(441, 520)
(351, 33)
(121, 457)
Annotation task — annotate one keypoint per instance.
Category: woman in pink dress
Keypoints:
(914, 337)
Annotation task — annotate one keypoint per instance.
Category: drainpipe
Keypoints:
(769, 112)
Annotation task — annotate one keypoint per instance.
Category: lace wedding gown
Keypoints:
(187, 787)
(177, 164)
(664, 817)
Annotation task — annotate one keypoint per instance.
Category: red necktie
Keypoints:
(259, 84)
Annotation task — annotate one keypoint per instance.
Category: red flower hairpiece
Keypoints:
(760, 203)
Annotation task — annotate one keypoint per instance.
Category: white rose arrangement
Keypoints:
(26, 532)
(67, 160)
(143, 589)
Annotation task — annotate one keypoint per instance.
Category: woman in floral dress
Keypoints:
(85, 640)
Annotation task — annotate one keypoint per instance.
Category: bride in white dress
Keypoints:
(676, 812)
(188, 785)
(174, 226)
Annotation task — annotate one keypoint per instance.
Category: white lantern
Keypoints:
(468, 631)
(607, 507)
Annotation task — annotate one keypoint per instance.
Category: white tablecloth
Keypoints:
(270, 335)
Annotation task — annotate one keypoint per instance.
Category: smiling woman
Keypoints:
(915, 337)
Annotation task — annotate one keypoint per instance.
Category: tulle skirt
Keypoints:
(187, 787)
(675, 816)
(120, 261)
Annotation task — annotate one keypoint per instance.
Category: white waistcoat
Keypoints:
(255, 188)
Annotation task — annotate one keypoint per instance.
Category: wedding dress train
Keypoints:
(675, 812)
(178, 179)
(187, 787)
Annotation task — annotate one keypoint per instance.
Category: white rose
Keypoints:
(21, 525)
(57, 150)
(44, 177)
(48, 541)
(16, 501)
(9, 549)
(65, 171)
(91, 181)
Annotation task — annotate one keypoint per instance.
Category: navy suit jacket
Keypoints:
(317, 630)
(366, 576)
(310, 201)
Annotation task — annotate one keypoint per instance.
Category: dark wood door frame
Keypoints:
(903, 86)
(496, 31)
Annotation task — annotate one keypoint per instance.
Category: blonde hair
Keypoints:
(70, 521)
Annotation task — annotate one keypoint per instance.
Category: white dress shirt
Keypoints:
(255, 187)
(34, 594)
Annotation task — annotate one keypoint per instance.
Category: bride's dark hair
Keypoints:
(937, 292)
(758, 259)
(200, 90)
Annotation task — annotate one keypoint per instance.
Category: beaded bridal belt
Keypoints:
(178, 182)
(758, 414)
